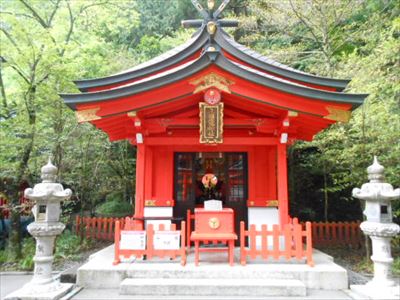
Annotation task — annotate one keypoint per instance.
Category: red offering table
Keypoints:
(214, 226)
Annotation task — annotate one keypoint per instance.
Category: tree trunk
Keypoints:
(326, 199)
(15, 233)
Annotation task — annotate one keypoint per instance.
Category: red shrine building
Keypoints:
(212, 119)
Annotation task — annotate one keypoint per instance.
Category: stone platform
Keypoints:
(213, 277)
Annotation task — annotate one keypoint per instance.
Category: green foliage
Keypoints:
(396, 266)
(9, 261)
(28, 251)
(68, 247)
(3, 257)
(114, 208)
(343, 39)
(365, 266)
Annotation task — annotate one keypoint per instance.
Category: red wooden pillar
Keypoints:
(140, 182)
(282, 184)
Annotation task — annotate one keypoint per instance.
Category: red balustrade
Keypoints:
(294, 237)
(323, 233)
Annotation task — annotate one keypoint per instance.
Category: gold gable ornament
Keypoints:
(87, 115)
(338, 115)
(212, 80)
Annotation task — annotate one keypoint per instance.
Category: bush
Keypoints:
(28, 251)
(114, 208)
(115, 196)
(68, 247)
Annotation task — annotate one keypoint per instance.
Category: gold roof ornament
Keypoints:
(337, 114)
(211, 27)
(212, 80)
(87, 115)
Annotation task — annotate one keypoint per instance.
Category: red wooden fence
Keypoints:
(337, 233)
(293, 237)
(323, 234)
(97, 228)
(149, 250)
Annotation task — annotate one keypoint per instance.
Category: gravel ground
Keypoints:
(84, 256)
(357, 278)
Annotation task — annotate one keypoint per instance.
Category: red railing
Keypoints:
(323, 234)
(96, 228)
(337, 233)
(292, 236)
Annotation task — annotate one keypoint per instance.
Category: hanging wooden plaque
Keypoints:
(211, 123)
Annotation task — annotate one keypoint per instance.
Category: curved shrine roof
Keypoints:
(207, 59)
(198, 41)
(258, 93)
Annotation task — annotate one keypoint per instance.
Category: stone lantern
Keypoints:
(46, 211)
(380, 228)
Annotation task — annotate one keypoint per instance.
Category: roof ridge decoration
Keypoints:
(211, 18)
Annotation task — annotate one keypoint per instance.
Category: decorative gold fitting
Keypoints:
(211, 27)
(131, 113)
(272, 203)
(150, 203)
(87, 115)
(213, 223)
(212, 80)
(292, 113)
(337, 114)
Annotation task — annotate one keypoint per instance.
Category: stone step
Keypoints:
(212, 287)
(206, 272)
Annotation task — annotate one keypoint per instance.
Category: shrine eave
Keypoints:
(198, 42)
(207, 59)
(256, 59)
(157, 64)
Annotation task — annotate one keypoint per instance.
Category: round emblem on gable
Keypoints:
(212, 96)
(213, 223)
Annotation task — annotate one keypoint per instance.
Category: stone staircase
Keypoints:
(213, 278)
(210, 287)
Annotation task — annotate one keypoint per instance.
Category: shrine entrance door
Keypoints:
(225, 180)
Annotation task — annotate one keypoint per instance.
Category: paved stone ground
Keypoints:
(90, 294)
(11, 281)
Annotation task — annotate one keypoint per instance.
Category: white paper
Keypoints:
(133, 240)
(167, 240)
(213, 205)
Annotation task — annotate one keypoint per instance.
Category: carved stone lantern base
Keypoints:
(50, 291)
